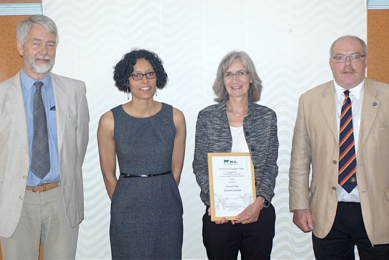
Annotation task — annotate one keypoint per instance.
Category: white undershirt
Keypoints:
(356, 96)
(239, 144)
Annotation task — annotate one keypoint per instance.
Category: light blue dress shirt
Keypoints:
(28, 89)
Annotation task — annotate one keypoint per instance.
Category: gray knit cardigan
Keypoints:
(213, 136)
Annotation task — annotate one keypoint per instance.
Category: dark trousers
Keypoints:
(254, 240)
(347, 231)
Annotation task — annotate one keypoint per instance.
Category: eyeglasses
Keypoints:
(239, 75)
(139, 76)
(343, 58)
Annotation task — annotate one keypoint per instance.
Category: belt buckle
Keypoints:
(42, 186)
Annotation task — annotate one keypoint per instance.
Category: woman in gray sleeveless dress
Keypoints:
(148, 139)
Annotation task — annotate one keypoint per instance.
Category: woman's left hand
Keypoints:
(251, 213)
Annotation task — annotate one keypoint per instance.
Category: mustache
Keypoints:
(348, 69)
(45, 57)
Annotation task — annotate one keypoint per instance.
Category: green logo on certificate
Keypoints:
(229, 162)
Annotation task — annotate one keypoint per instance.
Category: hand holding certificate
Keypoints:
(231, 184)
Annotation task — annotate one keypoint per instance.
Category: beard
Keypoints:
(39, 67)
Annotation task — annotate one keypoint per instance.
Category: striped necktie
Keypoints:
(347, 160)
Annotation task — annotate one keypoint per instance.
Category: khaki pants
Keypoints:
(43, 219)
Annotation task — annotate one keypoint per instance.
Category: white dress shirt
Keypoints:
(356, 96)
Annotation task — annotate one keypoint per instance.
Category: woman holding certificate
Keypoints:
(238, 125)
(148, 139)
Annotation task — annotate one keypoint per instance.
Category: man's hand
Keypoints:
(303, 219)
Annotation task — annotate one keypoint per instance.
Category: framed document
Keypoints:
(231, 184)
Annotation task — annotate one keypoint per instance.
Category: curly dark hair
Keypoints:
(125, 67)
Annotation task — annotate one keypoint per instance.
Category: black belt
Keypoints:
(125, 175)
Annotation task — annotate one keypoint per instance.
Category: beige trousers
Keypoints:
(43, 219)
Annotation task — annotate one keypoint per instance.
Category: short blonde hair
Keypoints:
(218, 86)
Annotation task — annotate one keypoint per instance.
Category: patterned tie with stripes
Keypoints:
(347, 161)
(40, 159)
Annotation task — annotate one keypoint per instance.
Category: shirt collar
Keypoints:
(357, 91)
(28, 82)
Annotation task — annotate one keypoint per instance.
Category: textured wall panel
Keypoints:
(287, 39)
(10, 62)
(378, 44)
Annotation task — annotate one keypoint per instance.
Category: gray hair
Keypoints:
(24, 27)
(218, 86)
(364, 46)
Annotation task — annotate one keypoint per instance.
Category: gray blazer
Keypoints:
(72, 133)
(213, 135)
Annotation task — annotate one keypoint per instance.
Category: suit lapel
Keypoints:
(15, 107)
(61, 107)
(369, 111)
(328, 108)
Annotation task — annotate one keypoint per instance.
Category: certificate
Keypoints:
(231, 184)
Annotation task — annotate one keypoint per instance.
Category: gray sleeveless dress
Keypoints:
(146, 213)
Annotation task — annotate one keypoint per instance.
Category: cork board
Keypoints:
(10, 62)
(378, 45)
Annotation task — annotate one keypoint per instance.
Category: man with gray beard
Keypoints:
(43, 139)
